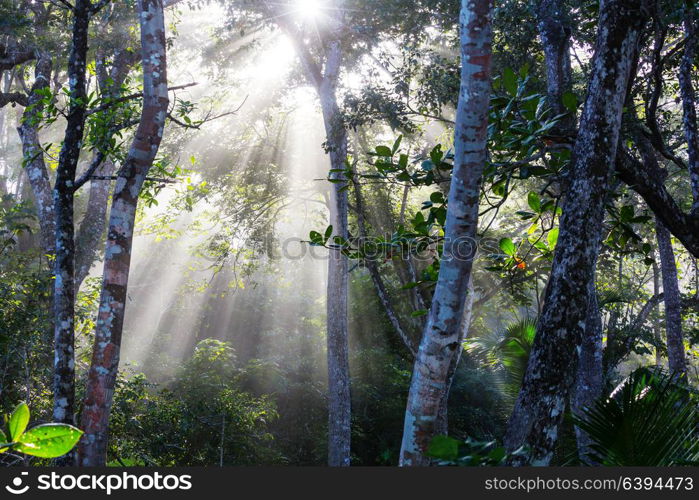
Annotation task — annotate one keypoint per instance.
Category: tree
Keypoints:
(442, 336)
(541, 403)
(130, 179)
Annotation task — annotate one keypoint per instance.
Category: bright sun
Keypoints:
(309, 10)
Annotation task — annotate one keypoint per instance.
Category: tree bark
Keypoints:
(325, 82)
(677, 362)
(91, 231)
(657, 335)
(130, 179)
(550, 372)
(590, 376)
(689, 109)
(554, 30)
(63, 196)
(339, 414)
(441, 339)
(34, 156)
(647, 182)
(442, 425)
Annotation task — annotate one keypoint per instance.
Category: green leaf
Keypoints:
(316, 238)
(419, 312)
(384, 151)
(328, 232)
(49, 440)
(507, 246)
(396, 145)
(3, 439)
(570, 101)
(437, 197)
(626, 213)
(18, 421)
(509, 81)
(443, 447)
(534, 201)
(552, 237)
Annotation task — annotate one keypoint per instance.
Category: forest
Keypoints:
(349, 232)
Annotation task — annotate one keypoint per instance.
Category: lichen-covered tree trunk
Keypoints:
(441, 338)
(339, 411)
(33, 156)
(108, 330)
(689, 105)
(677, 362)
(63, 196)
(551, 369)
(590, 376)
(554, 30)
(90, 234)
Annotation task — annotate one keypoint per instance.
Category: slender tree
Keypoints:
(442, 337)
(132, 174)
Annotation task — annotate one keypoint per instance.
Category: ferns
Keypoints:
(649, 420)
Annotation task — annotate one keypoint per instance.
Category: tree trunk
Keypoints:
(689, 109)
(34, 156)
(673, 306)
(63, 196)
(441, 339)
(551, 369)
(91, 232)
(590, 376)
(554, 30)
(442, 425)
(657, 334)
(110, 320)
(339, 412)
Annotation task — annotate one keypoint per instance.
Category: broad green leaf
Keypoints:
(316, 238)
(443, 447)
(570, 101)
(534, 201)
(49, 440)
(626, 213)
(507, 246)
(384, 151)
(509, 81)
(18, 421)
(552, 237)
(437, 197)
(328, 232)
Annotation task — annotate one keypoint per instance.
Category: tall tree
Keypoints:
(442, 337)
(63, 203)
(132, 174)
(677, 362)
(689, 104)
(321, 66)
(541, 403)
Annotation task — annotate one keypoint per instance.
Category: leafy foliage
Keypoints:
(45, 440)
(649, 420)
